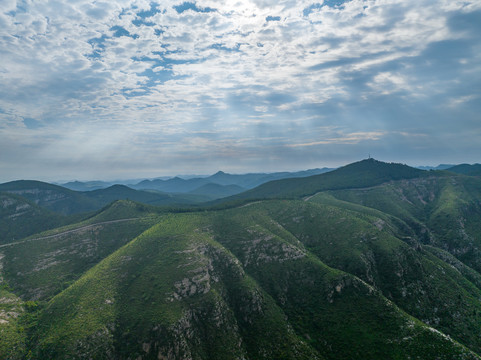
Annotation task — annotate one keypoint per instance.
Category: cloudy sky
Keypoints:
(130, 89)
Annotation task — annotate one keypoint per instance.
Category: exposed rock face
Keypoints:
(13, 207)
(46, 197)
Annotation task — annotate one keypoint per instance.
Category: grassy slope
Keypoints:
(12, 335)
(229, 284)
(172, 290)
(39, 269)
(43, 265)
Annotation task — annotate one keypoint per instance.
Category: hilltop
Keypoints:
(360, 174)
(466, 169)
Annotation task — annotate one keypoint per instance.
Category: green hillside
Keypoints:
(66, 253)
(52, 197)
(225, 286)
(122, 192)
(467, 169)
(67, 202)
(371, 261)
(386, 254)
(39, 267)
(259, 244)
(12, 333)
(216, 191)
(20, 217)
(361, 174)
(445, 211)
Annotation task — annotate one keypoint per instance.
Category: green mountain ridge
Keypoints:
(20, 217)
(371, 261)
(247, 181)
(68, 202)
(466, 169)
(217, 191)
(51, 197)
(361, 174)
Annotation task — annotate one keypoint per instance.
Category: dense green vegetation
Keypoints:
(221, 179)
(216, 191)
(466, 169)
(66, 253)
(364, 173)
(371, 261)
(51, 197)
(67, 202)
(20, 217)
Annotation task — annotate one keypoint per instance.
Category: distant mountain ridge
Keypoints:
(439, 167)
(65, 201)
(466, 169)
(364, 173)
(219, 187)
(53, 197)
(245, 181)
(87, 185)
(217, 191)
(174, 191)
(188, 183)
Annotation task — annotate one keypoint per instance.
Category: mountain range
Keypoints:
(372, 260)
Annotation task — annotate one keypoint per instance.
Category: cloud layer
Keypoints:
(92, 89)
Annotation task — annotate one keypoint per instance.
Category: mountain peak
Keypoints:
(364, 173)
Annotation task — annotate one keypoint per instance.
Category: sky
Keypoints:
(132, 89)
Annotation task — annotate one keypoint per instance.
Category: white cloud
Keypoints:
(63, 63)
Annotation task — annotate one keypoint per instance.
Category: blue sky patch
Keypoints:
(311, 8)
(32, 123)
(273, 18)
(330, 3)
(98, 47)
(154, 9)
(120, 31)
(192, 6)
(138, 22)
(98, 42)
(334, 3)
(226, 48)
(155, 78)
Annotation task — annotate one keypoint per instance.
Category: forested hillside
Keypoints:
(371, 261)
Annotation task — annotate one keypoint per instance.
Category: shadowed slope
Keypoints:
(20, 217)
